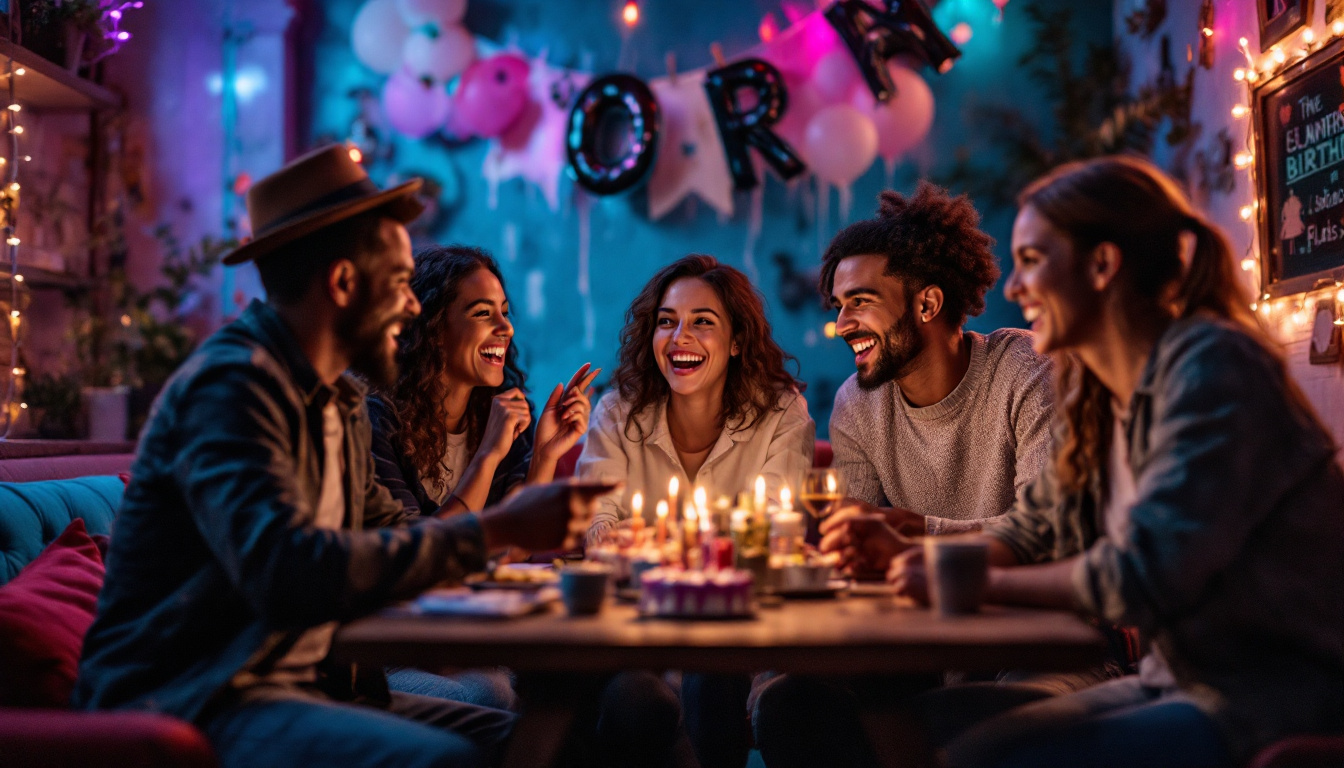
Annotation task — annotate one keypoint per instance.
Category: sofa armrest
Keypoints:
(57, 738)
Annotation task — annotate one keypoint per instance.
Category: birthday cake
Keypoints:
(673, 592)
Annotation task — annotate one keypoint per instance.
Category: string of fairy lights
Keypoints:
(1297, 308)
(9, 208)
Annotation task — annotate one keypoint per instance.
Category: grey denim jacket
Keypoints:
(1233, 565)
(213, 566)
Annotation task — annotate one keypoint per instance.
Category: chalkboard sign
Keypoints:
(1299, 122)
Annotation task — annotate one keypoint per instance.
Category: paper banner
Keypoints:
(690, 157)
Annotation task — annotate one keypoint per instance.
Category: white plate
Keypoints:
(486, 604)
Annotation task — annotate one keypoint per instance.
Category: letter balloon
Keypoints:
(741, 127)
(613, 134)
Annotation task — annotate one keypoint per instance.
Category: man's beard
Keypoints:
(897, 349)
(366, 336)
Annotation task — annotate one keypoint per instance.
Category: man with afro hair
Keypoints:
(939, 427)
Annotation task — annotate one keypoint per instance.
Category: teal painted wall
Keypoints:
(538, 249)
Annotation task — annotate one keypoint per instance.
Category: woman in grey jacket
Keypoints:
(1193, 493)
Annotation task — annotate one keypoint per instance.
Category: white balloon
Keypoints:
(440, 57)
(378, 35)
(439, 13)
(841, 144)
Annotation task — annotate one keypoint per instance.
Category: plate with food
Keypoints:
(518, 576)
(492, 604)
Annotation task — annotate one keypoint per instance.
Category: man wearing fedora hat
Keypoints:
(252, 524)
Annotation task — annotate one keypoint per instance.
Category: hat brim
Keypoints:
(400, 200)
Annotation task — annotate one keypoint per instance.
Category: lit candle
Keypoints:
(785, 499)
(673, 486)
(700, 498)
(760, 494)
(637, 515)
(662, 522)
(690, 536)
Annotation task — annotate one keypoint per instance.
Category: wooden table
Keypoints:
(848, 636)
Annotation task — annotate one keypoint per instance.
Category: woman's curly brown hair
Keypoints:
(418, 396)
(757, 380)
(928, 239)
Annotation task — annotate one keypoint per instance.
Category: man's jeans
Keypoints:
(283, 726)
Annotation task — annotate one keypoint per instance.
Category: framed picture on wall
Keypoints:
(1278, 18)
(1299, 157)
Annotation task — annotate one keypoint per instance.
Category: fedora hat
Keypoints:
(315, 191)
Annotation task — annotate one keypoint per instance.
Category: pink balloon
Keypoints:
(804, 103)
(904, 121)
(491, 95)
(841, 144)
(413, 107)
(836, 76)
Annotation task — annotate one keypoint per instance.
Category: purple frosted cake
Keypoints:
(692, 594)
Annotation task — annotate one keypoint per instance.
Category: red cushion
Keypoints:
(44, 613)
(823, 455)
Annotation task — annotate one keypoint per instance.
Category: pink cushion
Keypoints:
(44, 613)
(46, 738)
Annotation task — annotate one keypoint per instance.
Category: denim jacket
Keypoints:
(395, 471)
(1233, 565)
(214, 566)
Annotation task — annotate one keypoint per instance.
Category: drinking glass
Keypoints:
(822, 490)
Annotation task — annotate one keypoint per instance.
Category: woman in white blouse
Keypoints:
(700, 394)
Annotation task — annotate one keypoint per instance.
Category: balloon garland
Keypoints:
(828, 97)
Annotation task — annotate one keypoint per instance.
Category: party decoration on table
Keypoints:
(439, 53)
(416, 107)
(533, 148)
(436, 13)
(690, 160)
(608, 101)
(491, 95)
(378, 35)
(873, 36)
(739, 128)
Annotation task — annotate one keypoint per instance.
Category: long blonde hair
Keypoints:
(1134, 205)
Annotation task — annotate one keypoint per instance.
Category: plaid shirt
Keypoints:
(1233, 565)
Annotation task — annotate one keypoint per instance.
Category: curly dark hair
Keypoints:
(757, 380)
(418, 395)
(931, 238)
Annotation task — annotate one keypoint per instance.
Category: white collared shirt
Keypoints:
(778, 446)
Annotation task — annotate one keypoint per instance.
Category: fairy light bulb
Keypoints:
(630, 13)
(1337, 27)
(18, 129)
(1239, 111)
(1207, 32)
(1278, 55)
(356, 155)
(1248, 264)
(828, 330)
(18, 278)
(1239, 74)
(1243, 42)
(12, 241)
(1252, 75)
(15, 107)
(1246, 212)
(1242, 159)
(14, 314)
(1308, 36)
(14, 187)
(20, 71)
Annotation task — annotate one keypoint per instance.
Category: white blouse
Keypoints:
(778, 446)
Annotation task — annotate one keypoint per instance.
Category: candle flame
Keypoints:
(662, 510)
(673, 486)
(637, 503)
(785, 499)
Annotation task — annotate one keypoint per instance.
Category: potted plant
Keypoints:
(54, 402)
(61, 30)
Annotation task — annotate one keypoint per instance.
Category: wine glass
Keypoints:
(822, 490)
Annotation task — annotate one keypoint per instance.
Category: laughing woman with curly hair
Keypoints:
(452, 435)
(701, 394)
